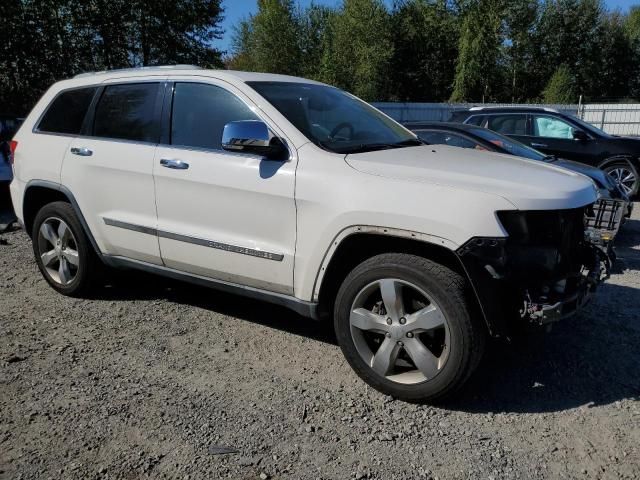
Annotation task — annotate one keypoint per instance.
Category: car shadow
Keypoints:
(627, 247)
(591, 359)
(135, 285)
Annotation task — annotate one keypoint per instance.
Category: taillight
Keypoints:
(13, 144)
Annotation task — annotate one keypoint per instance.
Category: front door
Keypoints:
(555, 136)
(223, 215)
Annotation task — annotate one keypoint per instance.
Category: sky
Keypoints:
(235, 10)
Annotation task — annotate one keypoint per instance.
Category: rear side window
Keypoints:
(128, 112)
(200, 113)
(67, 111)
(512, 124)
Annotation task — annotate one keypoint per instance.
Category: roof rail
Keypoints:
(137, 69)
(528, 107)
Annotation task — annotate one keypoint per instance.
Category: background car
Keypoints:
(564, 136)
(471, 136)
(8, 127)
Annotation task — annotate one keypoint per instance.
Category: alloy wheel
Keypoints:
(624, 177)
(58, 251)
(399, 331)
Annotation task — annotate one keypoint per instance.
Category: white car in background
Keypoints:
(297, 193)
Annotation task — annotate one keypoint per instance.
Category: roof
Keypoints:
(511, 108)
(440, 125)
(193, 70)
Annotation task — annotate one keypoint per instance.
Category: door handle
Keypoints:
(175, 164)
(83, 152)
(539, 145)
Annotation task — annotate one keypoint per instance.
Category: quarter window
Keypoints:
(513, 124)
(66, 113)
(128, 112)
(551, 127)
(200, 113)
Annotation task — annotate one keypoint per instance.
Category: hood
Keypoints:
(600, 177)
(527, 184)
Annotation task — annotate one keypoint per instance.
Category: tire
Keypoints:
(74, 280)
(622, 169)
(446, 316)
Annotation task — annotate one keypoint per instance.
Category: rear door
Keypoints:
(515, 125)
(109, 169)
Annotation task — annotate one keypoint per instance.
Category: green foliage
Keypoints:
(42, 41)
(477, 69)
(560, 88)
(425, 38)
(360, 49)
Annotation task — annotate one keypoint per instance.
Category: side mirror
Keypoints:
(580, 136)
(252, 136)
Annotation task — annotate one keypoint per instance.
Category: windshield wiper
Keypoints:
(549, 158)
(370, 147)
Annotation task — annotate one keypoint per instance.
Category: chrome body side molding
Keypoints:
(278, 257)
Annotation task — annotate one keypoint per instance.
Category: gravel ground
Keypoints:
(151, 377)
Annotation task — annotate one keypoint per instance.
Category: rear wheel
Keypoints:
(625, 176)
(62, 250)
(405, 327)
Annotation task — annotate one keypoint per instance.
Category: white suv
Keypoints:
(295, 192)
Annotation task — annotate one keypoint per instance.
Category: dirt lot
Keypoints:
(151, 376)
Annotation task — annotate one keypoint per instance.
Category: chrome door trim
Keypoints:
(277, 257)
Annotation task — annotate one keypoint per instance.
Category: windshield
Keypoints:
(509, 145)
(590, 128)
(333, 119)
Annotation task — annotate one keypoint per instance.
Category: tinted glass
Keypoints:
(128, 112)
(447, 138)
(509, 145)
(66, 113)
(512, 124)
(475, 120)
(551, 127)
(200, 113)
(333, 119)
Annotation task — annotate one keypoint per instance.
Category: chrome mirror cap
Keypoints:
(245, 135)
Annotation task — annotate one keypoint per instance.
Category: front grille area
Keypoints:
(605, 214)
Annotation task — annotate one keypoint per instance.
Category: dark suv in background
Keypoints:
(564, 136)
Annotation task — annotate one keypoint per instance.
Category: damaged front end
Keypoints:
(545, 270)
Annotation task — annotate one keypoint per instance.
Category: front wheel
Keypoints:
(625, 175)
(405, 327)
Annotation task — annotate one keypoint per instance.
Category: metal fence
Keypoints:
(616, 119)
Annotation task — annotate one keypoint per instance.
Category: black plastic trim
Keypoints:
(306, 309)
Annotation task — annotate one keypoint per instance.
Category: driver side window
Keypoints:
(551, 127)
(201, 111)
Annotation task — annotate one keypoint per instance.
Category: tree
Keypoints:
(560, 88)
(358, 56)
(477, 68)
(568, 33)
(42, 41)
(425, 38)
(274, 38)
(519, 49)
(315, 29)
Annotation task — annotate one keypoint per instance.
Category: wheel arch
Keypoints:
(616, 159)
(361, 243)
(39, 193)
